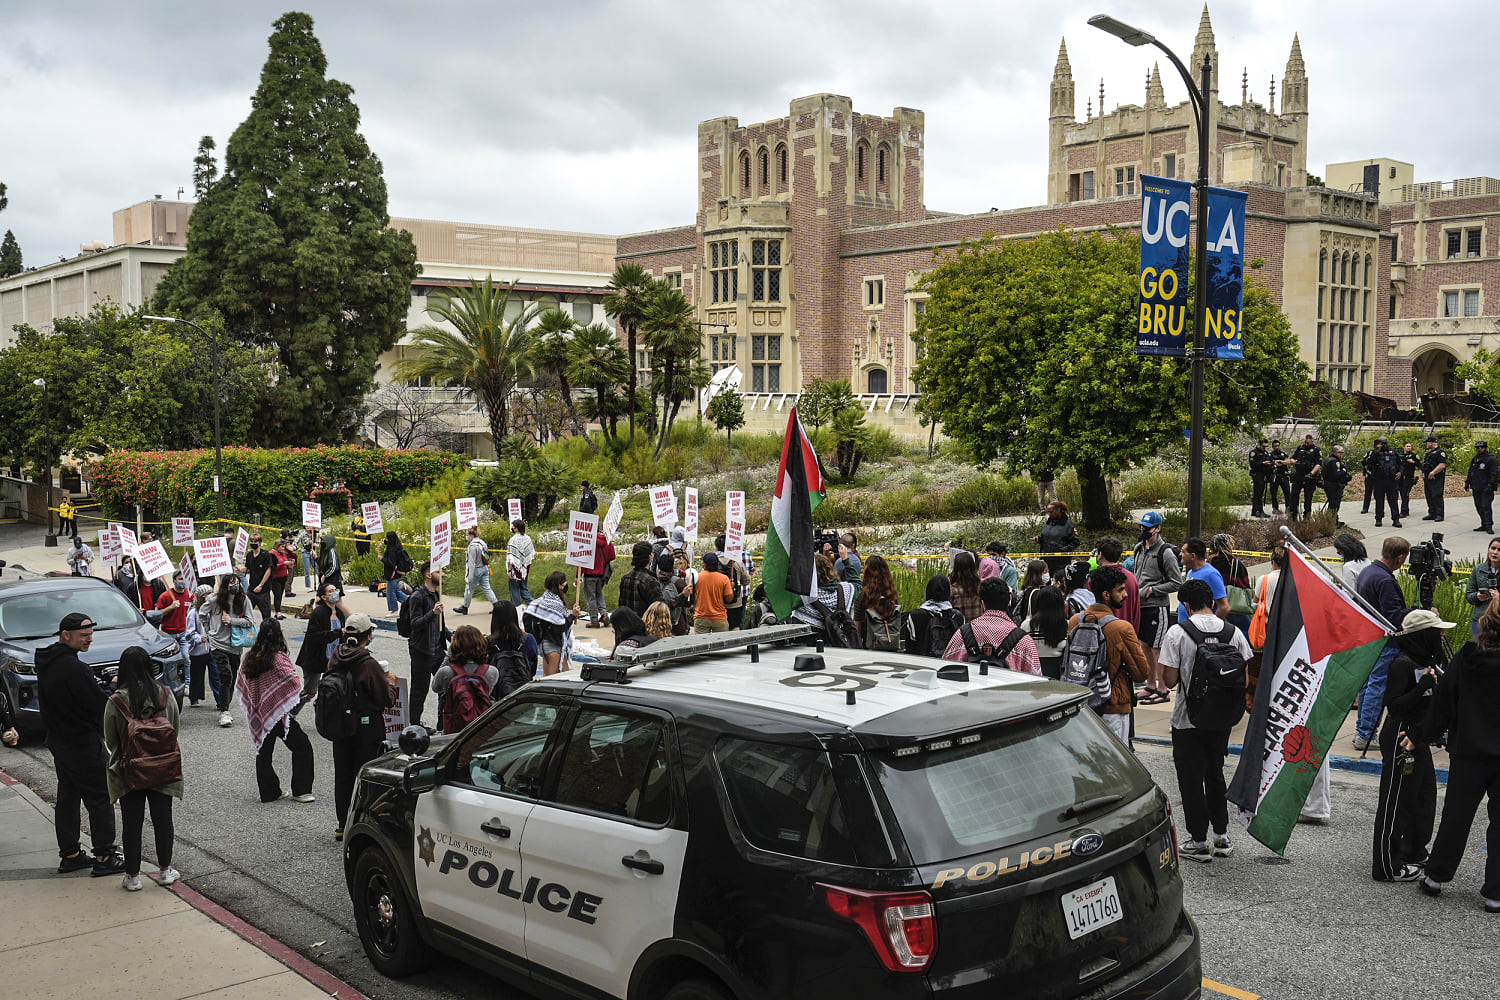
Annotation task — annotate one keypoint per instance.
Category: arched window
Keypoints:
(781, 166)
(1369, 271)
(861, 154)
(882, 167)
(876, 382)
(765, 170)
(744, 175)
(1322, 264)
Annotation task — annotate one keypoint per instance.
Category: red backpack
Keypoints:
(150, 755)
(468, 697)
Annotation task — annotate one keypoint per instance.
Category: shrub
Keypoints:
(991, 496)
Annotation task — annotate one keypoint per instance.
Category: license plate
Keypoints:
(1094, 906)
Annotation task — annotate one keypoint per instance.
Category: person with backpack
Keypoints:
(1306, 467)
(595, 575)
(630, 630)
(270, 690)
(227, 625)
(511, 651)
(520, 553)
(549, 619)
(367, 691)
(832, 608)
(421, 623)
(1204, 658)
(145, 762)
(963, 584)
(1099, 630)
(323, 627)
(641, 587)
(476, 572)
(395, 563)
(1048, 627)
(1159, 575)
(1107, 553)
(466, 682)
(676, 591)
(588, 502)
(711, 593)
(878, 607)
(931, 626)
(740, 577)
(993, 637)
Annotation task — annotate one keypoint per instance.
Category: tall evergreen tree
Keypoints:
(10, 256)
(205, 167)
(291, 246)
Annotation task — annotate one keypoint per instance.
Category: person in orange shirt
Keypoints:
(714, 590)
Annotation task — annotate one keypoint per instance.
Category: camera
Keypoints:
(825, 537)
(1429, 563)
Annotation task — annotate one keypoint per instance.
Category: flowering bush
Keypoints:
(269, 482)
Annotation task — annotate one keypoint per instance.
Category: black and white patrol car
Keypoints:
(772, 822)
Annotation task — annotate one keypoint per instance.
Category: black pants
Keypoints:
(1335, 496)
(1258, 495)
(81, 781)
(227, 662)
(1406, 809)
(266, 780)
(1282, 488)
(736, 617)
(1469, 780)
(133, 819)
(1482, 501)
(1302, 491)
(1433, 490)
(262, 601)
(1369, 492)
(1404, 487)
(423, 666)
(1198, 756)
(1386, 495)
(278, 588)
(350, 753)
(199, 665)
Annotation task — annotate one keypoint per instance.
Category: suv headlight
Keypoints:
(16, 666)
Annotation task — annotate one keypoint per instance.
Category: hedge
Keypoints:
(270, 483)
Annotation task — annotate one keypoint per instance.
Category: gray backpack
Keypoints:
(1086, 660)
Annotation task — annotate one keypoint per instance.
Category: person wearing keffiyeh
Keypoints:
(270, 688)
(549, 620)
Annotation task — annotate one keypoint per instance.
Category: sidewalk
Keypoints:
(75, 935)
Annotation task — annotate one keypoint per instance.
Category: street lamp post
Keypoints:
(1197, 353)
(213, 342)
(51, 540)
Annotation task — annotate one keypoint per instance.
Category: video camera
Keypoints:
(1429, 563)
(830, 537)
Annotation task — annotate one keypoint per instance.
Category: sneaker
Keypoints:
(76, 863)
(1363, 742)
(131, 883)
(168, 875)
(193, 704)
(1408, 873)
(1222, 847)
(225, 721)
(1197, 850)
(112, 865)
(1430, 887)
(304, 797)
(462, 609)
(1491, 905)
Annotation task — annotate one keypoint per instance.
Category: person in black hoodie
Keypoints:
(1407, 807)
(72, 707)
(322, 628)
(630, 631)
(1466, 706)
(373, 694)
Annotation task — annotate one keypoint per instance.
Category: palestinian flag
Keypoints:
(1320, 646)
(788, 571)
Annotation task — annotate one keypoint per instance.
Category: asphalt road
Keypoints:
(1311, 926)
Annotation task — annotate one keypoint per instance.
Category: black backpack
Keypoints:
(1216, 689)
(514, 670)
(333, 712)
(839, 628)
(403, 617)
(988, 653)
(588, 503)
(883, 634)
(942, 626)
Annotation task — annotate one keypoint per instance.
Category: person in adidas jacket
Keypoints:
(1127, 661)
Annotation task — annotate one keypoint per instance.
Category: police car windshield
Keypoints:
(1013, 783)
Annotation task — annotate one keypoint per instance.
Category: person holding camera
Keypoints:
(1407, 805)
(1484, 584)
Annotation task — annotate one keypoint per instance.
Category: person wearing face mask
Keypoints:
(228, 609)
(324, 627)
(1159, 576)
(259, 565)
(175, 602)
(1037, 577)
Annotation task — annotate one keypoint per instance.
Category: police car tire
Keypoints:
(696, 989)
(393, 945)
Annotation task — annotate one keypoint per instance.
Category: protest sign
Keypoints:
(374, 523)
(663, 507)
(155, 563)
(468, 512)
(109, 543)
(513, 509)
(241, 545)
(213, 556)
(613, 517)
(127, 540)
(734, 528)
(312, 514)
(182, 531)
(395, 716)
(583, 530)
(441, 534)
(189, 578)
(690, 513)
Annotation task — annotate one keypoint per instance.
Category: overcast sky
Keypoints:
(582, 115)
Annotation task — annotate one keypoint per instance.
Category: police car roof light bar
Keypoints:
(684, 647)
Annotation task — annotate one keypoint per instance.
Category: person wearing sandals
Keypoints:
(270, 688)
(144, 697)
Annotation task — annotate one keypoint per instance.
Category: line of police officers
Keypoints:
(1389, 478)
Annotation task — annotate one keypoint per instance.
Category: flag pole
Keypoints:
(1337, 578)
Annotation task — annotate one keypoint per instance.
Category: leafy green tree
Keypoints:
(3, 200)
(1028, 353)
(523, 472)
(600, 364)
(556, 334)
(727, 411)
(205, 167)
(10, 256)
(676, 354)
(291, 246)
(486, 352)
(823, 399)
(625, 300)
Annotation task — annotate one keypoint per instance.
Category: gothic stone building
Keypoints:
(812, 230)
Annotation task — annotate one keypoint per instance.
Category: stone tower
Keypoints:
(1294, 82)
(1059, 117)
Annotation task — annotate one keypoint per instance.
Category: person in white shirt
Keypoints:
(1198, 754)
(476, 572)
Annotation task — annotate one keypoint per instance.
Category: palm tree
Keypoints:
(600, 364)
(672, 334)
(555, 332)
(625, 300)
(488, 355)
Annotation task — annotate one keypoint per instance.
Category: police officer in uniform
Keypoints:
(1281, 485)
(1335, 478)
(1411, 464)
(1434, 472)
(1385, 470)
(1367, 466)
(1261, 473)
(1306, 461)
(1484, 473)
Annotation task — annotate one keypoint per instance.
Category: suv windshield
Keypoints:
(1015, 782)
(35, 616)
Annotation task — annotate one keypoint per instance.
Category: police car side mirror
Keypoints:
(420, 776)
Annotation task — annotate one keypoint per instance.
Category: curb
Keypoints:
(1359, 765)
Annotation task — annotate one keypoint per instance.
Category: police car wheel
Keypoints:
(384, 917)
(696, 989)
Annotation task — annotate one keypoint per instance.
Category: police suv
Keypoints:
(720, 816)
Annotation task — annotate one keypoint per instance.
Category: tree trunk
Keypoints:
(1095, 490)
(579, 427)
(666, 404)
(630, 336)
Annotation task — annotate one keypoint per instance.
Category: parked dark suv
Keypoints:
(29, 613)
(775, 823)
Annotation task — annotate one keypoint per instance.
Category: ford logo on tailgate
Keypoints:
(1087, 843)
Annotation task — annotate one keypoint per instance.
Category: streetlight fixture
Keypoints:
(1197, 353)
(51, 540)
(213, 341)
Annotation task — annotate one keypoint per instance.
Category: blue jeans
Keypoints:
(394, 595)
(519, 593)
(479, 580)
(1372, 699)
(307, 570)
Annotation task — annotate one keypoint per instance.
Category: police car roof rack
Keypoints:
(684, 647)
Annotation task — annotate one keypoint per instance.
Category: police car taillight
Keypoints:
(900, 926)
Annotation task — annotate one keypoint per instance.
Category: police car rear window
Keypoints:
(785, 799)
(1004, 785)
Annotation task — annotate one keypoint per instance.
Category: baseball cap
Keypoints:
(1418, 619)
(358, 624)
(1432, 438)
(1151, 519)
(73, 621)
(1481, 444)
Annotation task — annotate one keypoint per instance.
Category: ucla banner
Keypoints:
(1223, 336)
(1165, 218)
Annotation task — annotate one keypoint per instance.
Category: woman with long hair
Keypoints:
(281, 569)
(1047, 624)
(468, 653)
(1038, 576)
(374, 692)
(1235, 573)
(1484, 584)
(878, 594)
(270, 687)
(229, 609)
(1352, 551)
(395, 562)
(552, 623)
(139, 695)
(512, 651)
(832, 594)
(963, 583)
(630, 630)
(658, 620)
